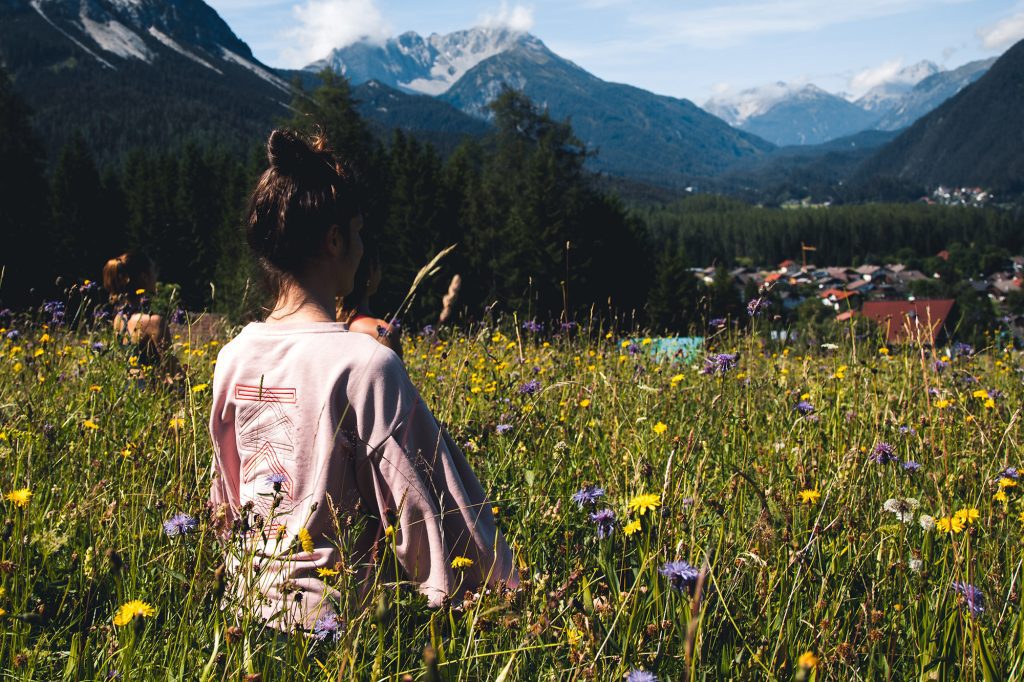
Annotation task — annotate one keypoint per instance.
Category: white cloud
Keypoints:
(871, 77)
(516, 17)
(323, 25)
(1002, 33)
(729, 25)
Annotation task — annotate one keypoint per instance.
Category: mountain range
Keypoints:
(138, 73)
(786, 114)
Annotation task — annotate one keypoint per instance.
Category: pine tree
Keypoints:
(24, 223)
(83, 238)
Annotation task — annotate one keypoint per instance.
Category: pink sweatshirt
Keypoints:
(333, 418)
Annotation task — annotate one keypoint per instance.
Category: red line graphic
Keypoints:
(264, 394)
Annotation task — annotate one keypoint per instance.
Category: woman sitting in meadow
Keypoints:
(354, 309)
(129, 278)
(326, 457)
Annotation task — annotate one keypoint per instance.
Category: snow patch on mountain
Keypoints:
(37, 6)
(737, 108)
(891, 84)
(116, 38)
(259, 71)
(171, 43)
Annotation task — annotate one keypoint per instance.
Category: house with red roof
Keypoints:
(908, 321)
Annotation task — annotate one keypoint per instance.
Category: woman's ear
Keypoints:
(333, 242)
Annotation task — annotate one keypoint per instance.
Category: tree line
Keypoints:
(535, 232)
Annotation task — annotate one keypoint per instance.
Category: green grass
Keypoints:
(838, 576)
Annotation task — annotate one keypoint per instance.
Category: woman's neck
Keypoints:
(298, 302)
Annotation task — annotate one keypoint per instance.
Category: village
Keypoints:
(897, 297)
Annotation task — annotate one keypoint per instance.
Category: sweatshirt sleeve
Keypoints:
(422, 480)
(224, 486)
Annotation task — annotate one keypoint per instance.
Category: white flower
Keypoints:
(903, 508)
(830, 346)
(927, 522)
(916, 564)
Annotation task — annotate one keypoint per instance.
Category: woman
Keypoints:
(354, 309)
(128, 278)
(312, 423)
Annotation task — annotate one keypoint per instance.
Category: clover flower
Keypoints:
(883, 453)
(605, 522)
(680, 574)
(971, 597)
(588, 494)
(180, 524)
(328, 626)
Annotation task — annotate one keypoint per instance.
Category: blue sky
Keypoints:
(682, 48)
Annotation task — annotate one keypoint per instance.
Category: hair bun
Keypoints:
(288, 153)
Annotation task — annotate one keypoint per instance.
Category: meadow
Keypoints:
(756, 511)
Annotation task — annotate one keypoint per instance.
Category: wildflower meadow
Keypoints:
(748, 510)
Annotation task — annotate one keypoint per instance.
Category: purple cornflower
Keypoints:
(55, 309)
(6, 316)
(720, 363)
(180, 524)
(568, 326)
(717, 323)
(756, 306)
(1010, 472)
(530, 387)
(14, 335)
(178, 316)
(680, 574)
(940, 365)
(907, 431)
(503, 428)
(277, 479)
(960, 349)
(328, 626)
(98, 347)
(533, 326)
(641, 676)
(633, 348)
(910, 466)
(101, 314)
(428, 330)
(605, 522)
(883, 453)
(588, 494)
(971, 596)
(804, 407)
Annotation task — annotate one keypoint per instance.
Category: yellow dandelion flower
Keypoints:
(631, 527)
(1000, 496)
(134, 608)
(1020, 517)
(980, 393)
(808, 660)
(95, 389)
(326, 572)
(574, 636)
(809, 496)
(943, 404)
(1005, 482)
(967, 514)
(19, 497)
(91, 425)
(140, 292)
(883, 351)
(177, 423)
(306, 540)
(200, 387)
(660, 428)
(990, 404)
(950, 524)
(45, 338)
(389, 530)
(461, 562)
(641, 504)
(585, 402)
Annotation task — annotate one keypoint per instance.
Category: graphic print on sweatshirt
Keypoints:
(266, 446)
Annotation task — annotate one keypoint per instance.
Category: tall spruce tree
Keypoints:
(24, 221)
(83, 236)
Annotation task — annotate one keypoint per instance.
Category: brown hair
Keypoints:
(349, 303)
(298, 198)
(127, 273)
